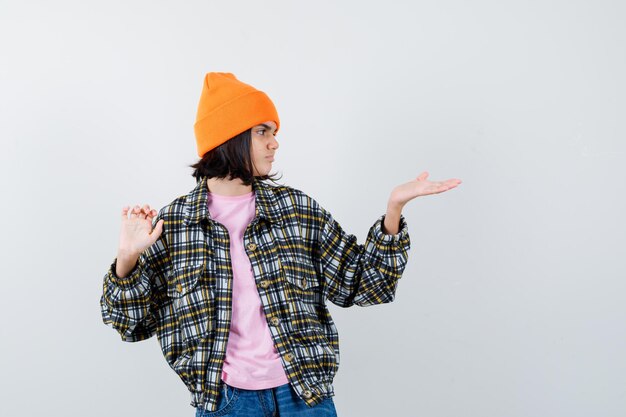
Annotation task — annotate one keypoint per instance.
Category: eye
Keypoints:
(263, 131)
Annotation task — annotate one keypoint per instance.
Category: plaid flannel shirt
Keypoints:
(181, 287)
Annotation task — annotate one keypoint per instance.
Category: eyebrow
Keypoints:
(266, 126)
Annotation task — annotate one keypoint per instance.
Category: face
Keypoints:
(264, 146)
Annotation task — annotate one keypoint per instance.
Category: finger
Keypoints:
(135, 212)
(159, 226)
(437, 188)
(157, 230)
(144, 214)
(453, 183)
(149, 212)
(145, 211)
(447, 185)
(125, 212)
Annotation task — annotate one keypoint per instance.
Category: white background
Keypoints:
(513, 301)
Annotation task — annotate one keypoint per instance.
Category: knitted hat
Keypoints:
(228, 107)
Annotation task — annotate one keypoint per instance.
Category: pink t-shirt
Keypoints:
(252, 361)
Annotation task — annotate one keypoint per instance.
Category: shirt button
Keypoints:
(252, 246)
(265, 283)
(303, 282)
(179, 287)
(274, 320)
(307, 394)
(289, 356)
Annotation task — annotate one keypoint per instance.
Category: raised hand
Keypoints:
(136, 233)
(420, 186)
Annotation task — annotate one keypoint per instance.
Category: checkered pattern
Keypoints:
(181, 287)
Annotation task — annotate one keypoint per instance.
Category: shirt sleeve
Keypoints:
(130, 304)
(362, 274)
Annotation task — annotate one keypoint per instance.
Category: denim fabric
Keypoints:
(281, 401)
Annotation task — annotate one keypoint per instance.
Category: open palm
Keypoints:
(421, 186)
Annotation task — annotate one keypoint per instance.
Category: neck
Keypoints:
(223, 186)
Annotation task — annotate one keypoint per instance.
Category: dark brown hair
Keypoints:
(231, 159)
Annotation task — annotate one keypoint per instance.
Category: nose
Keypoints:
(274, 143)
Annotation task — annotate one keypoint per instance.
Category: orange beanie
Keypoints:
(228, 107)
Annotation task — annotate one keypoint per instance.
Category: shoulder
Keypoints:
(174, 210)
(301, 204)
(288, 195)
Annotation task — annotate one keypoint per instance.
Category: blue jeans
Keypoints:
(281, 401)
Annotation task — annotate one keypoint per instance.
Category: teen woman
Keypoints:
(233, 277)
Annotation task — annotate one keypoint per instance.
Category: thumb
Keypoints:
(158, 229)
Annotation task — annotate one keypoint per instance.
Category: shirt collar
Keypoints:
(196, 202)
